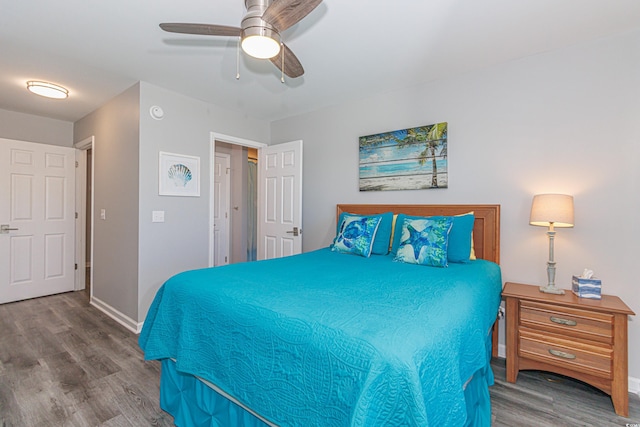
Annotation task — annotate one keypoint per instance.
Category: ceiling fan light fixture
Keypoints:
(259, 32)
(260, 42)
(48, 90)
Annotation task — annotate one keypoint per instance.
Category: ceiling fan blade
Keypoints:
(201, 29)
(292, 67)
(282, 14)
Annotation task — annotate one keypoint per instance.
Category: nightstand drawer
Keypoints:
(586, 358)
(568, 321)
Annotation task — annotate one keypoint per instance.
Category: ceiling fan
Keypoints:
(259, 30)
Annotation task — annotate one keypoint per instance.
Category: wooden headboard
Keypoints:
(486, 230)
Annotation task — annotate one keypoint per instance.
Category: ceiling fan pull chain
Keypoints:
(282, 68)
(238, 60)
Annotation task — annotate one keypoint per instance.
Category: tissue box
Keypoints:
(586, 288)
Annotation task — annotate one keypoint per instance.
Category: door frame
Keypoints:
(81, 203)
(213, 137)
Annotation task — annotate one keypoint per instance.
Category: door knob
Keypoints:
(295, 231)
(5, 229)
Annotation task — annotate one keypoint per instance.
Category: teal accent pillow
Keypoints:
(459, 247)
(460, 238)
(356, 235)
(383, 235)
(424, 241)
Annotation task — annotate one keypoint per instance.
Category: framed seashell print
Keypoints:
(179, 175)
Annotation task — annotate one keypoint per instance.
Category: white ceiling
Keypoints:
(349, 48)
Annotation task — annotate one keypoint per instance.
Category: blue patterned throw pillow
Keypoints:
(424, 241)
(383, 235)
(356, 235)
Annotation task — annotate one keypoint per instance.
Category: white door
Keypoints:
(222, 189)
(37, 199)
(280, 200)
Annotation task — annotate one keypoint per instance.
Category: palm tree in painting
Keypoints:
(433, 136)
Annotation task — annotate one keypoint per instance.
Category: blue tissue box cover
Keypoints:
(586, 288)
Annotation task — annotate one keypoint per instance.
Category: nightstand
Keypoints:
(585, 339)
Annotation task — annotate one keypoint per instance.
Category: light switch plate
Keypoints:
(157, 216)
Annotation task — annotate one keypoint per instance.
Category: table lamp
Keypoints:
(553, 211)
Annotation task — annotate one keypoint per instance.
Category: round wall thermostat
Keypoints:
(156, 112)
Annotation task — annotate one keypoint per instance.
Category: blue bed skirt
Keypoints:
(193, 403)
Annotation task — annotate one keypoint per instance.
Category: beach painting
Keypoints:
(408, 159)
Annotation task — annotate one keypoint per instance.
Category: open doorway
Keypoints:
(234, 203)
(243, 208)
(88, 220)
(85, 156)
(252, 201)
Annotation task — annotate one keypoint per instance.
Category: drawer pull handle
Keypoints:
(562, 354)
(562, 321)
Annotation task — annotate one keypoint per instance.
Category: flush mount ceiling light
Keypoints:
(48, 90)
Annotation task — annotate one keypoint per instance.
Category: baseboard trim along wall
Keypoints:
(119, 317)
(634, 383)
(502, 351)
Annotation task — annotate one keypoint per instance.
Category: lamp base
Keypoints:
(551, 290)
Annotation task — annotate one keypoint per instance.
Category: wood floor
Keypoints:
(64, 363)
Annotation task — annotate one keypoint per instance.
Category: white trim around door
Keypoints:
(81, 211)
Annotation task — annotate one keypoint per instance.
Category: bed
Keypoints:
(328, 338)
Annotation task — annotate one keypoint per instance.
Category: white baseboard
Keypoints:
(634, 383)
(119, 317)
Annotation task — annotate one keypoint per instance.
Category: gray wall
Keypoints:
(182, 241)
(116, 157)
(564, 121)
(27, 127)
(133, 256)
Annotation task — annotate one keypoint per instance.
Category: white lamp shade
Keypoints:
(556, 209)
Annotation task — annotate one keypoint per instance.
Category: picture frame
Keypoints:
(407, 159)
(178, 175)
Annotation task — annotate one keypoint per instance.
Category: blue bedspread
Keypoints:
(328, 339)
